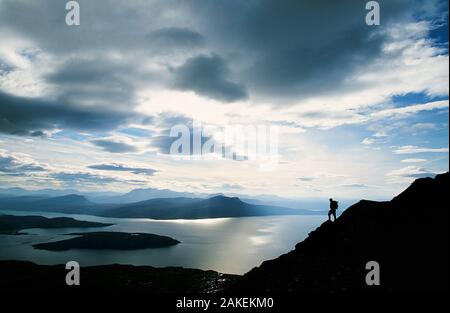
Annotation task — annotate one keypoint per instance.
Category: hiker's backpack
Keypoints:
(334, 205)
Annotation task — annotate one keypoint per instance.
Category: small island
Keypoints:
(12, 224)
(109, 241)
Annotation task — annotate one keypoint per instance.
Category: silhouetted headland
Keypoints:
(21, 276)
(11, 224)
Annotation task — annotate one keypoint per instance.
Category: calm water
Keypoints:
(228, 245)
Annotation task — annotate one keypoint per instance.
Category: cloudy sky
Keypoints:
(361, 110)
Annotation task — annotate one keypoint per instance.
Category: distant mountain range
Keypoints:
(194, 208)
(48, 193)
(71, 204)
(134, 195)
(138, 195)
(143, 194)
(159, 208)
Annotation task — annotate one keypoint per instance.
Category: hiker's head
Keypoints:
(331, 199)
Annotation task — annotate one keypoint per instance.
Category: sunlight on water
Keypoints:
(228, 245)
(204, 221)
(260, 240)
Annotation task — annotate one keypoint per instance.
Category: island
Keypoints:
(11, 224)
(109, 241)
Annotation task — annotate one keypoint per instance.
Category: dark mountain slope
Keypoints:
(407, 236)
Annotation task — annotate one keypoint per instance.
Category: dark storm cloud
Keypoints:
(123, 168)
(171, 37)
(114, 146)
(208, 76)
(297, 48)
(92, 91)
(105, 24)
(87, 71)
(30, 116)
(100, 83)
(37, 133)
(280, 50)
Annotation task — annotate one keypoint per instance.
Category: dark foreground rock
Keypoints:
(407, 236)
(109, 240)
(20, 276)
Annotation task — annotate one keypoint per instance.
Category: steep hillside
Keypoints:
(407, 236)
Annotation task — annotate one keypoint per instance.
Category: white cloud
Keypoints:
(423, 126)
(380, 134)
(398, 112)
(411, 172)
(18, 163)
(367, 141)
(413, 160)
(415, 149)
(24, 78)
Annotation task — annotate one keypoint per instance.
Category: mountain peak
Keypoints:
(72, 197)
(225, 199)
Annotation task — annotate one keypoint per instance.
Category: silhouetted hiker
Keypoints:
(333, 208)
